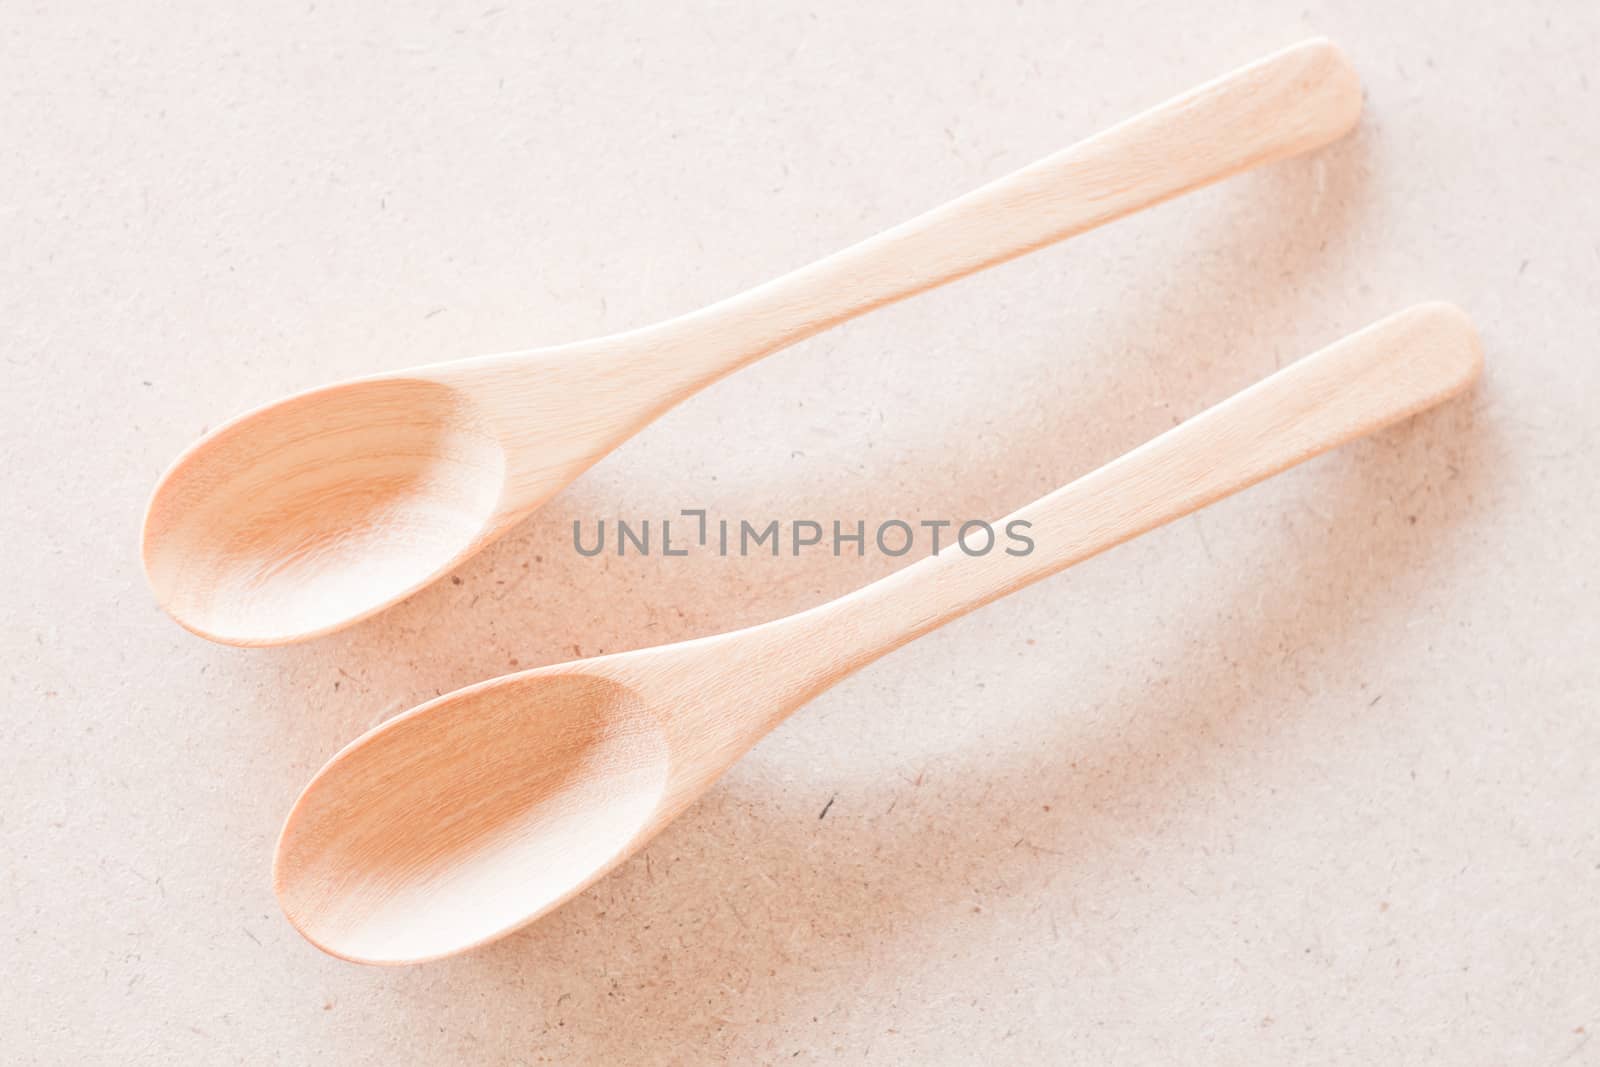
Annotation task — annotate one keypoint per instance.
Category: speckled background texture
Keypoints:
(1310, 777)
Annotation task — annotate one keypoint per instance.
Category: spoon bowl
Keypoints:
(473, 811)
(321, 509)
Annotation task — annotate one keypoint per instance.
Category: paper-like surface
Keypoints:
(1311, 777)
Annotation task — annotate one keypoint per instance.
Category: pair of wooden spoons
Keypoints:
(461, 820)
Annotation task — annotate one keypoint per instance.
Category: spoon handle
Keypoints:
(1291, 102)
(1392, 369)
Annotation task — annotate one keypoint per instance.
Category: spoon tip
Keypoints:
(466, 818)
(315, 512)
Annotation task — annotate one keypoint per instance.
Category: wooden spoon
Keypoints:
(313, 513)
(463, 819)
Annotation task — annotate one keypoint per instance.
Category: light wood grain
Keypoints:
(474, 814)
(312, 513)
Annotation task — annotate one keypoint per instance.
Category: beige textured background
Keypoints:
(1310, 778)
